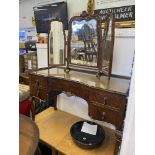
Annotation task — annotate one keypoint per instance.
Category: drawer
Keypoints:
(106, 98)
(69, 86)
(39, 81)
(58, 84)
(100, 112)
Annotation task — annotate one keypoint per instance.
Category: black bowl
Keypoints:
(86, 140)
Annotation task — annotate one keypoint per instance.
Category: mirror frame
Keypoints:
(86, 17)
(104, 36)
(48, 48)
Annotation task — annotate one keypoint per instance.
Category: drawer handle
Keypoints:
(105, 100)
(103, 115)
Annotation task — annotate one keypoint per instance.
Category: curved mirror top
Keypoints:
(84, 45)
(56, 43)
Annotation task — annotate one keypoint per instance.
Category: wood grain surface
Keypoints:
(55, 127)
(28, 136)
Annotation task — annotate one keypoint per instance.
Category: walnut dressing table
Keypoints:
(106, 97)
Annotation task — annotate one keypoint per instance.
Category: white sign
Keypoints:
(89, 128)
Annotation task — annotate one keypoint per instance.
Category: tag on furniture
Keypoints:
(89, 128)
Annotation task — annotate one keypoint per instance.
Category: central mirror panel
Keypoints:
(56, 43)
(84, 43)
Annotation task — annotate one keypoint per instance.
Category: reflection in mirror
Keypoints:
(56, 43)
(108, 41)
(84, 44)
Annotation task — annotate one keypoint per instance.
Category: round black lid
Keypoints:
(86, 140)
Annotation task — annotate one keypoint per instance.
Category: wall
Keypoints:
(75, 8)
(124, 48)
(26, 13)
(128, 142)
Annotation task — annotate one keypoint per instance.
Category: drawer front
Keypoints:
(39, 81)
(103, 113)
(111, 100)
(38, 86)
(69, 86)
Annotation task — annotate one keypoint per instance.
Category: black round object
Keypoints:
(86, 140)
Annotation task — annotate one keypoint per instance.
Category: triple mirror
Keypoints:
(88, 46)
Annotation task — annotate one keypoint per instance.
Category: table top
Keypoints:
(28, 136)
(113, 84)
(54, 127)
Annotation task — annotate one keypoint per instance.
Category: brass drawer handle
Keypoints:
(103, 115)
(105, 100)
(37, 82)
(101, 105)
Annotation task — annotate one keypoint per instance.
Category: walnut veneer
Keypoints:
(106, 98)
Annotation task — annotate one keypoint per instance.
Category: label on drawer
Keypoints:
(89, 128)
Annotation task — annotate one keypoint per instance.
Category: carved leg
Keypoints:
(118, 135)
(55, 102)
(53, 98)
(32, 108)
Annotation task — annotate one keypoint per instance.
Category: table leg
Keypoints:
(118, 142)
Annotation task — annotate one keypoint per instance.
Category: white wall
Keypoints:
(76, 7)
(128, 142)
(26, 13)
(124, 48)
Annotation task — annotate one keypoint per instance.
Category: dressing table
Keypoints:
(106, 98)
(106, 95)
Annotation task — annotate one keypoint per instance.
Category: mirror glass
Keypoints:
(84, 45)
(56, 43)
(107, 45)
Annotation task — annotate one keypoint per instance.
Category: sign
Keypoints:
(124, 13)
(124, 16)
